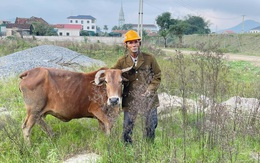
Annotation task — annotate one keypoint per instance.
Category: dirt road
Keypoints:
(255, 60)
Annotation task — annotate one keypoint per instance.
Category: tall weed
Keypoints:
(209, 133)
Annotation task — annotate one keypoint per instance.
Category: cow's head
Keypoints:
(113, 79)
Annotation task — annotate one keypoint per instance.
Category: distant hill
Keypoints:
(248, 24)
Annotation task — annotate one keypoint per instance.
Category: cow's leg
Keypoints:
(45, 127)
(29, 122)
(101, 125)
(100, 115)
(104, 120)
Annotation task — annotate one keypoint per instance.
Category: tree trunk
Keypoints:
(180, 41)
(165, 42)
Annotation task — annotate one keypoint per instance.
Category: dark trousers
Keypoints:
(151, 122)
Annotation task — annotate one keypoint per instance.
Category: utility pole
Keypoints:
(243, 19)
(140, 19)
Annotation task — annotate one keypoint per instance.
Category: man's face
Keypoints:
(133, 45)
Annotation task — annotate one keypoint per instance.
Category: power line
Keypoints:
(223, 18)
(154, 7)
(187, 6)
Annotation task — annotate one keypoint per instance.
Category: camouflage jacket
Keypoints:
(145, 76)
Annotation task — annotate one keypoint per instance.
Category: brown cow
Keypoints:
(68, 95)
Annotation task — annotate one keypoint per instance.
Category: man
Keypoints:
(139, 94)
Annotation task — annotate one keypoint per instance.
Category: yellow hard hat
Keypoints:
(131, 35)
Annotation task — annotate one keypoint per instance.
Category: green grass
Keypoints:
(246, 44)
(180, 137)
(244, 71)
(83, 135)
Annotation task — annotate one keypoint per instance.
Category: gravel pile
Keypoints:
(44, 56)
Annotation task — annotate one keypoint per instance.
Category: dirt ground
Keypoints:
(255, 60)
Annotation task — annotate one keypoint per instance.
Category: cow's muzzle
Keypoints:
(114, 101)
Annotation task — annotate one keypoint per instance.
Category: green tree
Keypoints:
(115, 28)
(127, 27)
(179, 30)
(197, 25)
(42, 29)
(87, 33)
(114, 34)
(105, 28)
(164, 22)
(190, 25)
(164, 34)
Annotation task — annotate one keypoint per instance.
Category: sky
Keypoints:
(221, 14)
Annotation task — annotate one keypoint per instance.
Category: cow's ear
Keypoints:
(98, 79)
(99, 82)
(93, 82)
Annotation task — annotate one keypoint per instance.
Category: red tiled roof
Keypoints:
(29, 20)
(20, 20)
(69, 26)
(228, 32)
(73, 26)
(153, 34)
(120, 31)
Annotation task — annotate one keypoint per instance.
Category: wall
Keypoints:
(90, 39)
(72, 32)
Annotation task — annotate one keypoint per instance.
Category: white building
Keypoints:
(68, 29)
(88, 22)
(255, 30)
(149, 28)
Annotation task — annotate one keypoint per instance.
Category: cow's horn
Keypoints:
(97, 76)
(127, 69)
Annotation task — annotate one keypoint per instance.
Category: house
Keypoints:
(255, 30)
(30, 20)
(118, 33)
(88, 22)
(23, 26)
(228, 32)
(122, 32)
(3, 27)
(149, 28)
(18, 29)
(4, 22)
(68, 29)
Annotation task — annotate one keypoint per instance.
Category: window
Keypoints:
(87, 27)
(93, 27)
(60, 33)
(93, 21)
(71, 21)
(88, 21)
(67, 34)
(76, 21)
(82, 22)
